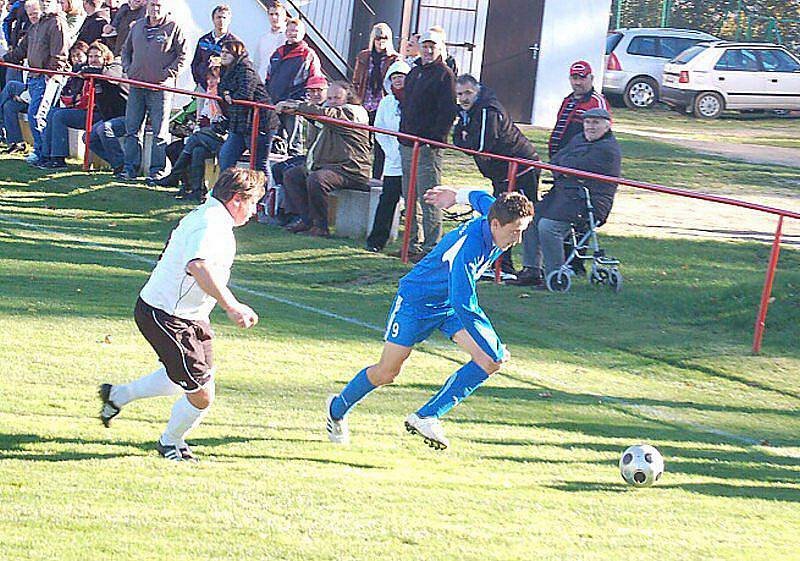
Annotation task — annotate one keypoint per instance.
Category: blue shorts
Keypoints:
(411, 324)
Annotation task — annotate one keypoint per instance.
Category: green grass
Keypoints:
(532, 469)
(732, 127)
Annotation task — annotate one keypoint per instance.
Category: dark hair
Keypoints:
(275, 4)
(467, 80)
(352, 96)
(105, 52)
(220, 8)
(250, 184)
(235, 47)
(80, 46)
(510, 207)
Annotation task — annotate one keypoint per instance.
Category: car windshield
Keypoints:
(612, 41)
(688, 54)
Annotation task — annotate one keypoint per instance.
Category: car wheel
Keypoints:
(708, 105)
(641, 93)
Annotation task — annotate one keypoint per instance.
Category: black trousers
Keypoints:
(528, 184)
(384, 214)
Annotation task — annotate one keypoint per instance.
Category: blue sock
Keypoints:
(466, 380)
(351, 394)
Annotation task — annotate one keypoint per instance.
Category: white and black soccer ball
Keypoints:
(641, 465)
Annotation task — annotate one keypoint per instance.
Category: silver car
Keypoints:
(635, 59)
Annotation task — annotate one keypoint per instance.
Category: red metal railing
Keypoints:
(513, 167)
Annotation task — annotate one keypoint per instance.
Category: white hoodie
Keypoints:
(388, 117)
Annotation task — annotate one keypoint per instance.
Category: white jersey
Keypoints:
(205, 233)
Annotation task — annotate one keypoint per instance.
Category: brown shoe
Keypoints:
(317, 232)
(298, 227)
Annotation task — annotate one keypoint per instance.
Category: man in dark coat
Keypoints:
(595, 150)
(428, 111)
(484, 124)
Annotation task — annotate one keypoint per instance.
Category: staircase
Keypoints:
(328, 31)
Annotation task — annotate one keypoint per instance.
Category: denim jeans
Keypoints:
(104, 141)
(292, 130)
(156, 104)
(543, 244)
(36, 87)
(56, 133)
(235, 145)
(11, 110)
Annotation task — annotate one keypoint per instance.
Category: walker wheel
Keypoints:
(558, 281)
(599, 275)
(615, 280)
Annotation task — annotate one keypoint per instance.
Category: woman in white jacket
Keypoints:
(388, 118)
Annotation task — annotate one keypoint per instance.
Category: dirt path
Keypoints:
(751, 153)
(644, 213)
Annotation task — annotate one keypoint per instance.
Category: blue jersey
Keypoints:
(447, 276)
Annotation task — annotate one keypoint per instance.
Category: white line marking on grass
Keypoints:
(649, 411)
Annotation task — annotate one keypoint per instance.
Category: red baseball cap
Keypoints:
(317, 83)
(581, 68)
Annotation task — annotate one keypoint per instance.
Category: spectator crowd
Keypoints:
(416, 91)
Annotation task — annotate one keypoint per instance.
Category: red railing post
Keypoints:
(761, 320)
(89, 119)
(254, 137)
(411, 201)
(512, 184)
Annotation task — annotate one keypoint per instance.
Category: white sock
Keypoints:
(184, 418)
(153, 385)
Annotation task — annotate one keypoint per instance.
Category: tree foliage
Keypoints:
(719, 17)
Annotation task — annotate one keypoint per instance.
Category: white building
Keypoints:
(522, 49)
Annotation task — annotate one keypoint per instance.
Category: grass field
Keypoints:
(531, 473)
(732, 127)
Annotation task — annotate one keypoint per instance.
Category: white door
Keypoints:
(739, 76)
(783, 78)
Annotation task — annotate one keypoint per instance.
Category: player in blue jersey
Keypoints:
(439, 293)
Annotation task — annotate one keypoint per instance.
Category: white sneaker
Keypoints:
(338, 431)
(430, 429)
(32, 158)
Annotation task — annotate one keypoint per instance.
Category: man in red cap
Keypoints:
(582, 98)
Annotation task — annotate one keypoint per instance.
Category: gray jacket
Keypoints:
(154, 54)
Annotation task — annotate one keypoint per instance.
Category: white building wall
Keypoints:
(249, 21)
(572, 30)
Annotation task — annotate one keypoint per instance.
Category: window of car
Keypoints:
(670, 47)
(742, 60)
(776, 60)
(612, 40)
(689, 54)
(644, 46)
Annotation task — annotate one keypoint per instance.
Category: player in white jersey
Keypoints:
(172, 311)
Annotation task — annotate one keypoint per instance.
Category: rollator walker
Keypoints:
(585, 247)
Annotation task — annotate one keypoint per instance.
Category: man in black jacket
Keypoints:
(484, 124)
(597, 151)
(428, 111)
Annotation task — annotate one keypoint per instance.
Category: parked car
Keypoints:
(635, 59)
(710, 77)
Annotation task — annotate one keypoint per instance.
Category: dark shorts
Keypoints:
(183, 346)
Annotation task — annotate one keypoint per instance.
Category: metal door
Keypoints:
(459, 18)
(511, 53)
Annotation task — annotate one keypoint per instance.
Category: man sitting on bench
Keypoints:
(338, 158)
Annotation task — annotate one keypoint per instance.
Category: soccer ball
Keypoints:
(641, 465)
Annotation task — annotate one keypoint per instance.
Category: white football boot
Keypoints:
(430, 429)
(338, 431)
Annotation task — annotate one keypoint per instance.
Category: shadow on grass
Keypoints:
(783, 494)
(13, 447)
